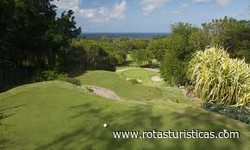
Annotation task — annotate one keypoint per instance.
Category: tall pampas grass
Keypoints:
(219, 79)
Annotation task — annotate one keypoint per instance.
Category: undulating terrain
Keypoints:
(60, 115)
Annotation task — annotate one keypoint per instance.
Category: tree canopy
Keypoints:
(32, 36)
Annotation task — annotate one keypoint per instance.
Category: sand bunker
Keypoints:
(156, 78)
(103, 92)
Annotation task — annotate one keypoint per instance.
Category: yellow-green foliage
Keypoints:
(220, 79)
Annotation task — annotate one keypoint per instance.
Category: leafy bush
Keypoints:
(74, 61)
(244, 54)
(173, 70)
(239, 113)
(120, 57)
(151, 65)
(178, 53)
(74, 81)
(46, 76)
(99, 59)
(220, 79)
(62, 76)
(142, 57)
(158, 47)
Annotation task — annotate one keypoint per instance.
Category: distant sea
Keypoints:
(131, 35)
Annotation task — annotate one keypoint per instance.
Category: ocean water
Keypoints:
(131, 35)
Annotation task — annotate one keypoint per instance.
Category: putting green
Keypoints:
(120, 86)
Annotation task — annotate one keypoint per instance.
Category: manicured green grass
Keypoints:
(153, 92)
(120, 85)
(169, 93)
(144, 75)
(58, 115)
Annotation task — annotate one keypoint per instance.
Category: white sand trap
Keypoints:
(104, 92)
(156, 78)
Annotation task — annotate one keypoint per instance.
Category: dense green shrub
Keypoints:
(179, 51)
(239, 113)
(73, 81)
(220, 79)
(151, 65)
(244, 54)
(46, 76)
(142, 57)
(232, 34)
(158, 47)
(75, 60)
(62, 76)
(99, 59)
(173, 70)
(120, 57)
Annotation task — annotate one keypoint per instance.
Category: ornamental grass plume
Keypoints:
(219, 79)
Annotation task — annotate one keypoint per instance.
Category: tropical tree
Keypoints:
(32, 37)
(178, 53)
(99, 59)
(59, 36)
(142, 57)
(158, 47)
(75, 60)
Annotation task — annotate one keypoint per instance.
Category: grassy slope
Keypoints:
(144, 75)
(58, 115)
(169, 93)
(122, 87)
(116, 81)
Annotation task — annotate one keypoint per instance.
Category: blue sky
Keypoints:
(149, 15)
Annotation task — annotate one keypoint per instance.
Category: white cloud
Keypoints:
(67, 4)
(180, 9)
(222, 2)
(102, 14)
(200, 1)
(150, 5)
(219, 2)
(119, 10)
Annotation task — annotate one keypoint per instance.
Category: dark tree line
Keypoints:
(232, 34)
(32, 38)
(175, 51)
(79, 59)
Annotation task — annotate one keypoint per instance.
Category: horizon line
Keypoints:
(124, 32)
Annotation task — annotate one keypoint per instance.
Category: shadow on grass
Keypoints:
(91, 135)
(10, 108)
(206, 121)
(4, 113)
